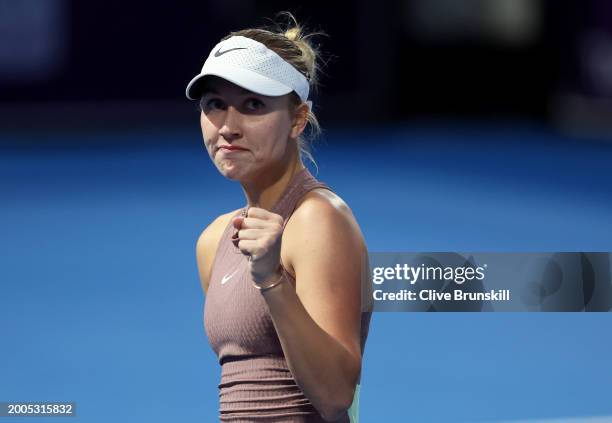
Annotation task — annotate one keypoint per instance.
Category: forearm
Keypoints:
(323, 368)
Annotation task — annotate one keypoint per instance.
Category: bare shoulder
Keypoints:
(324, 204)
(206, 246)
(324, 219)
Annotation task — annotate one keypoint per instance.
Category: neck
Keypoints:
(265, 190)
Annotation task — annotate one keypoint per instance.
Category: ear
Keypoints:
(300, 120)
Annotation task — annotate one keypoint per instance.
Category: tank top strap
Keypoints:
(301, 183)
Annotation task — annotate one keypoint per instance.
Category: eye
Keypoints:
(211, 103)
(254, 104)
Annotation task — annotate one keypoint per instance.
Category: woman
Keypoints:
(282, 275)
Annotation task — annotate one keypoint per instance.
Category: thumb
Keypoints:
(237, 222)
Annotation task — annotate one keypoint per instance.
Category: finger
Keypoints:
(237, 222)
(259, 213)
(250, 234)
(248, 247)
(254, 223)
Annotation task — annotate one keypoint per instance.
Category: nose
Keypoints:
(231, 125)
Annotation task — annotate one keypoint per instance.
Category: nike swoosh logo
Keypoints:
(227, 277)
(221, 53)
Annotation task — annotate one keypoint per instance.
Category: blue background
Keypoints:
(101, 302)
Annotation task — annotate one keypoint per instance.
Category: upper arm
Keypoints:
(327, 251)
(206, 247)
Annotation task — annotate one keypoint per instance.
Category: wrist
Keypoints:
(271, 281)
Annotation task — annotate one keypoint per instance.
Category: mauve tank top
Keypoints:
(256, 383)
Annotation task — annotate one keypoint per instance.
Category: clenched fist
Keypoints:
(259, 236)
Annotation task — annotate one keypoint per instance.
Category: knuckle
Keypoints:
(276, 228)
(268, 242)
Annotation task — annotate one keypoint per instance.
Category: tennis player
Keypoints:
(282, 275)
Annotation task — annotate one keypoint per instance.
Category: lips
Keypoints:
(231, 148)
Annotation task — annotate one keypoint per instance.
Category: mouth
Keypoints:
(231, 148)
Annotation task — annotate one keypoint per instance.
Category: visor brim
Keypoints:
(244, 78)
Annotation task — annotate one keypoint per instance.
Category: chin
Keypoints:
(233, 173)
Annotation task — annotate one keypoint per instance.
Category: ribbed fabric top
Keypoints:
(256, 383)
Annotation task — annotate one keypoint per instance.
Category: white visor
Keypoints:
(252, 66)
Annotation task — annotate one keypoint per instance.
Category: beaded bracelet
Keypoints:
(265, 288)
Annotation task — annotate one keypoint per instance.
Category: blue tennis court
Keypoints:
(101, 303)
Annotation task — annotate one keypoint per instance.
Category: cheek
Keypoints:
(272, 132)
(208, 132)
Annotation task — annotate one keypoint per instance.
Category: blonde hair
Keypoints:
(291, 42)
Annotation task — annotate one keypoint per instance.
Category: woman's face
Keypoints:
(245, 133)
